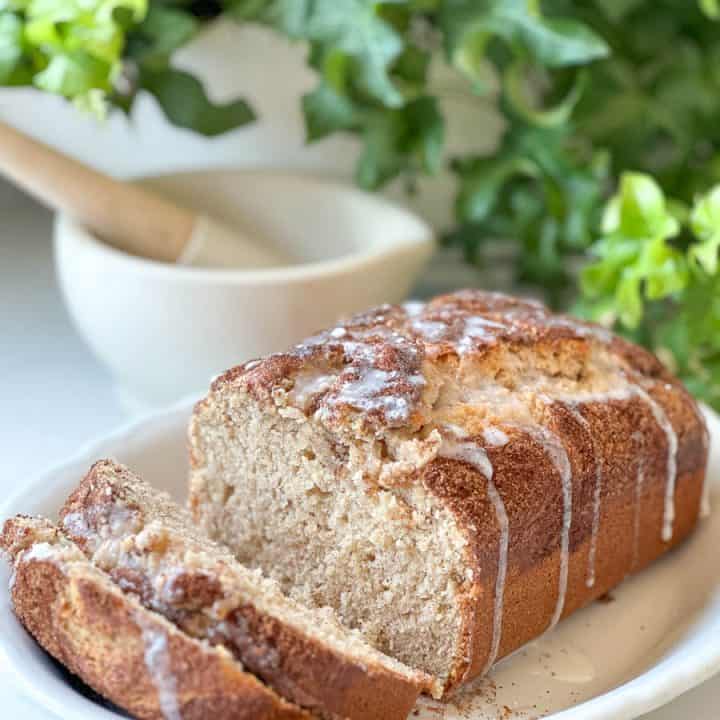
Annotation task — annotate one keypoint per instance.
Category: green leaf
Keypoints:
(184, 101)
(483, 180)
(87, 12)
(71, 48)
(616, 10)
(561, 42)
(11, 50)
(327, 111)
(628, 300)
(705, 223)
(94, 102)
(407, 139)
(13, 5)
(469, 237)
(73, 74)
(711, 8)
(553, 42)
(635, 260)
(426, 132)
(328, 108)
(514, 82)
(468, 56)
(355, 28)
(164, 30)
(535, 187)
(642, 211)
(602, 312)
(664, 269)
(102, 41)
(287, 16)
(410, 70)
(602, 277)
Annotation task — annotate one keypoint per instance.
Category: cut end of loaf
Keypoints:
(328, 543)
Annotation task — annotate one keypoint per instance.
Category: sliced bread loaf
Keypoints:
(453, 478)
(130, 655)
(152, 548)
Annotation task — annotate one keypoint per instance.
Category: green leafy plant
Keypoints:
(585, 91)
(656, 275)
(101, 53)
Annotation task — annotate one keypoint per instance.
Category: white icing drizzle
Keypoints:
(473, 454)
(365, 394)
(477, 327)
(495, 436)
(40, 551)
(597, 495)
(456, 430)
(662, 420)
(115, 521)
(504, 524)
(430, 330)
(555, 450)
(413, 308)
(307, 386)
(157, 662)
(665, 425)
(639, 483)
(76, 524)
(362, 385)
(468, 452)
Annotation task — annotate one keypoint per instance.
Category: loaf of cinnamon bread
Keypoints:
(452, 478)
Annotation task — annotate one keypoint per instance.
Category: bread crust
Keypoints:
(102, 636)
(530, 487)
(306, 670)
(627, 505)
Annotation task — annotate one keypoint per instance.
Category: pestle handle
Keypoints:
(124, 215)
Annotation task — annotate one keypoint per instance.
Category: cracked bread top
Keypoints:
(388, 368)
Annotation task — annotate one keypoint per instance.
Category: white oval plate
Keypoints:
(657, 638)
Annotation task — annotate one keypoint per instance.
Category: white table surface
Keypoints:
(55, 396)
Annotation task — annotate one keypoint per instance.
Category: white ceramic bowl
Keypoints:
(165, 330)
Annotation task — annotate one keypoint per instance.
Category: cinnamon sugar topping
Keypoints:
(370, 369)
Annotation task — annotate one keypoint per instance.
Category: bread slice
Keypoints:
(152, 548)
(128, 654)
(452, 477)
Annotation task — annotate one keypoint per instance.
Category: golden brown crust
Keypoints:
(624, 437)
(313, 674)
(110, 641)
(308, 671)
